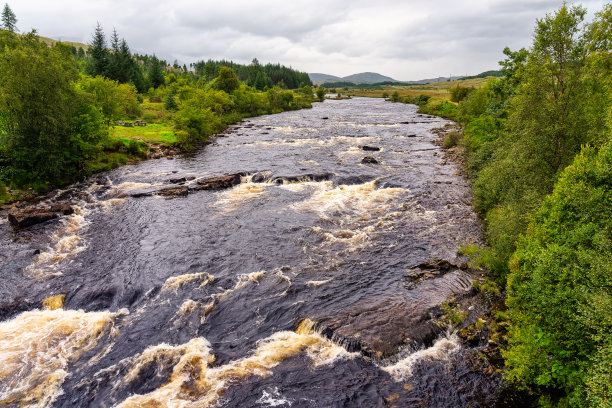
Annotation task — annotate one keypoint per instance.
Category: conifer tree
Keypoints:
(99, 64)
(8, 19)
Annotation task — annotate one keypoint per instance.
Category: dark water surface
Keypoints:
(277, 293)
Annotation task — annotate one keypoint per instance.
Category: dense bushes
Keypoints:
(559, 287)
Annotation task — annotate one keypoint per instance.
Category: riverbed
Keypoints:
(293, 288)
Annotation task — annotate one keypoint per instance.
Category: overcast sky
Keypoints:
(407, 40)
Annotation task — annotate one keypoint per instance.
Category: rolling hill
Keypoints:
(361, 78)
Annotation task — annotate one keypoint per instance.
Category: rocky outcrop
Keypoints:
(217, 183)
(382, 325)
(172, 192)
(28, 216)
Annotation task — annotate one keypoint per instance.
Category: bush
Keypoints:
(395, 96)
(559, 286)
(459, 93)
(451, 140)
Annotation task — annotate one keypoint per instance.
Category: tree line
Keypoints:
(57, 122)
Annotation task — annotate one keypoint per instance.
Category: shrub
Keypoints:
(559, 286)
(459, 93)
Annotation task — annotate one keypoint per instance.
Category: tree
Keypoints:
(559, 287)
(227, 80)
(9, 20)
(99, 64)
(156, 74)
(42, 110)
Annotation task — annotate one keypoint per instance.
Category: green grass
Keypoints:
(152, 133)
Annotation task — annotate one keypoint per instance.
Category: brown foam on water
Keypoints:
(194, 384)
(175, 282)
(54, 302)
(66, 243)
(37, 346)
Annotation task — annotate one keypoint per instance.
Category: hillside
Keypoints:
(361, 78)
(318, 78)
(368, 78)
(51, 41)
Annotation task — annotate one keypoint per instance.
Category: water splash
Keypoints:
(194, 383)
(36, 348)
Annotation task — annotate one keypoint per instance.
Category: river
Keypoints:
(291, 288)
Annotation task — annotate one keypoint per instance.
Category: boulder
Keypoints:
(177, 180)
(64, 208)
(28, 217)
(181, 191)
(217, 183)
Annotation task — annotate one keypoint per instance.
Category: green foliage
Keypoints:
(321, 93)
(170, 103)
(451, 139)
(395, 96)
(42, 128)
(459, 93)
(559, 285)
(227, 80)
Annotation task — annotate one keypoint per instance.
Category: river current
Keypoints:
(286, 290)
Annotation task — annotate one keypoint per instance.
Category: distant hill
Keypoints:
(368, 78)
(51, 41)
(318, 78)
(361, 78)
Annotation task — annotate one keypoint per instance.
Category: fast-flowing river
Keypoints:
(291, 288)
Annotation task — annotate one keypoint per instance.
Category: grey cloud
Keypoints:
(403, 39)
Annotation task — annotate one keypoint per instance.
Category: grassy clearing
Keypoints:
(438, 91)
(152, 133)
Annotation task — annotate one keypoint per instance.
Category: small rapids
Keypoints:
(290, 288)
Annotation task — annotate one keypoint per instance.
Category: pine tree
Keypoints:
(156, 74)
(99, 64)
(8, 19)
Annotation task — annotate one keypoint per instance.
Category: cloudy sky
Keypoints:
(407, 40)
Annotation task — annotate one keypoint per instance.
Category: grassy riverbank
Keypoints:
(67, 129)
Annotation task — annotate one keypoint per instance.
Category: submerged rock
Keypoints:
(369, 160)
(370, 148)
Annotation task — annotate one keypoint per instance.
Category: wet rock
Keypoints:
(259, 178)
(28, 217)
(177, 180)
(411, 135)
(181, 191)
(324, 118)
(217, 183)
(370, 148)
(381, 325)
(303, 178)
(427, 270)
(64, 208)
(140, 194)
(369, 160)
